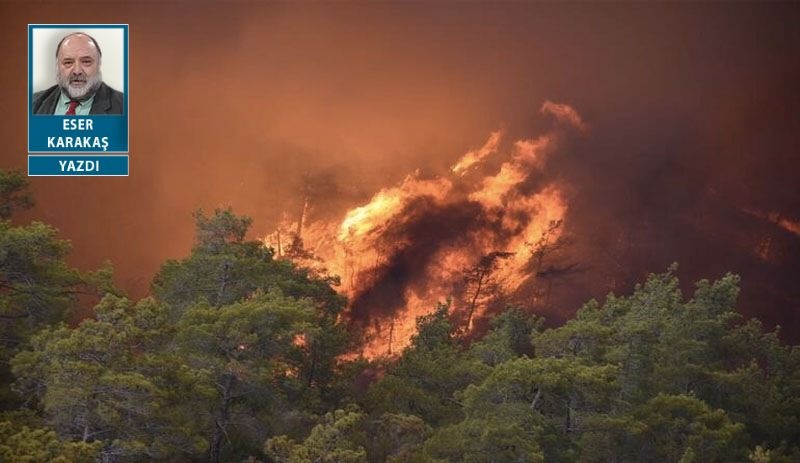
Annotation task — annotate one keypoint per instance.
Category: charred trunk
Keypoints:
(223, 417)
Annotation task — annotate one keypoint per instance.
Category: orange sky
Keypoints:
(693, 112)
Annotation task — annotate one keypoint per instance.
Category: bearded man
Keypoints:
(80, 90)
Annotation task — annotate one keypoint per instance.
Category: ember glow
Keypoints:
(374, 102)
(432, 239)
(776, 218)
(476, 156)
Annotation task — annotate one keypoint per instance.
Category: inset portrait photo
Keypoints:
(78, 75)
(78, 70)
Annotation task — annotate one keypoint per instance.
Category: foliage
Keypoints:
(351, 436)
(37, 286)
(328, 442)
(28, 445)
(425, 378)
(224, 268)
(239, 355)
(510, 337)
(13, 193)
(92, 382)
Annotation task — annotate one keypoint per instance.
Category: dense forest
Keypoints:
(240, 356)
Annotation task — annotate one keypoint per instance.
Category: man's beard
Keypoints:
(79, 92)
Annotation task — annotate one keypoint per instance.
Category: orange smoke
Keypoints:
(476, 156)
(564, 113)
(471, 237)
(776, 218)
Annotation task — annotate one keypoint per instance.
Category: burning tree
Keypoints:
(481, 283)
(436, 236)
(547, 263)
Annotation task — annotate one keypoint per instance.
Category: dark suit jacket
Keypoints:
(106, 101)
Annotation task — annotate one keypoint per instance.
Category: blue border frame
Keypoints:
(126, 71)
(71, 157)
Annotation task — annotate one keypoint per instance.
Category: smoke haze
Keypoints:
(691, 151)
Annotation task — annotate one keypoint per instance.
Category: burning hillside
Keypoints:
(479, 236)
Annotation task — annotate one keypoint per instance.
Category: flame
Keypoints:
(477, 156)
(549, 207)
(778, 219)
(446, 226)
(386, 203)
(299, 340)
(495, 188)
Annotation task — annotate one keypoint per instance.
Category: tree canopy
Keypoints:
(241, 356)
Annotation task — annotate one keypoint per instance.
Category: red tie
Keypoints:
(72, 105)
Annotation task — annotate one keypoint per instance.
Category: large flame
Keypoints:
(471, 236)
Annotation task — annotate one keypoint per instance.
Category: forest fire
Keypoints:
(476, 237)
(776, 218)
(612, 279)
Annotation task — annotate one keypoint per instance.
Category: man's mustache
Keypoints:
(77, 78)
